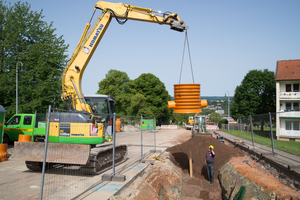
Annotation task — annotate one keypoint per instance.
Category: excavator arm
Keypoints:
(72, 76)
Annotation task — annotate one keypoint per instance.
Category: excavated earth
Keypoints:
(198, 147)
(198, 187)
(171, 179)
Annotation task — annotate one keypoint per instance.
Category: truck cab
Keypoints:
(27, 124)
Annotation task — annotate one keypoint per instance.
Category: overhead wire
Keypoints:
(186, 41)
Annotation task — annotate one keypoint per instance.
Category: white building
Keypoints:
(221, 112)
(287, 79)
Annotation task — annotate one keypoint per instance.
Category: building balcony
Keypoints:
(290, 115)
(289, 95)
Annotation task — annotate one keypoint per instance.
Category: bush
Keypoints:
(223, 121)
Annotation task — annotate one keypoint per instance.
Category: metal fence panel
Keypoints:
(66, 181)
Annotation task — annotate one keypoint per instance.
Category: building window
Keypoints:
(288, 87)
(292, 125)
(296, 106)
(296, 125)
(288, 106)
(288, 125)
(295, 87)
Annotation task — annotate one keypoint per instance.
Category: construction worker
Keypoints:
(210, 161)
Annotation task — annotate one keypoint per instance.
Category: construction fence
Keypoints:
(71, 169)
(267, 128)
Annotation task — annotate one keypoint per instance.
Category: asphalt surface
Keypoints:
(67, 182)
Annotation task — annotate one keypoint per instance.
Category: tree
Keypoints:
(138, 106)
(116, 83)
(181, 117)
(206, 111)
(26, 38)
(156, 95)
(215, 117)
(255, 95)
(222, 121)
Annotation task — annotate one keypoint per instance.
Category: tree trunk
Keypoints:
(262, 125)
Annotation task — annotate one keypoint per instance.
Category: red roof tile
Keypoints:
(287, 70)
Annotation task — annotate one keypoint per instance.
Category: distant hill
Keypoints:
(208, 98)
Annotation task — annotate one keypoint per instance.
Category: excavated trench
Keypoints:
(197, 147)
(229, 165)
(171, 179)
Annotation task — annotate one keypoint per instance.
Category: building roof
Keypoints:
(287, 70)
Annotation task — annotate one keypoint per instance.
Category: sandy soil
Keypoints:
(255, 171)
(198, 188)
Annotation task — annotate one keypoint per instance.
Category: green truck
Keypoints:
(73, 138)
(27, 124)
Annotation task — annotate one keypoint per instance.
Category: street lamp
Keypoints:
(228, 109)
(21, 71)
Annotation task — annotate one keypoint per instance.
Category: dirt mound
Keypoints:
(198, 146)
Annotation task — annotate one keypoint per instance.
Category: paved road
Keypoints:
(17, 182)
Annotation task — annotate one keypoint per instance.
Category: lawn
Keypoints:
(263, 137)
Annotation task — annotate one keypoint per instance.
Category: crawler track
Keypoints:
(100, 160)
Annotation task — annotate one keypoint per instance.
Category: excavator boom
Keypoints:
(72, 76)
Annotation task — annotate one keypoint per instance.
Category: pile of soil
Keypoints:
(198, 147)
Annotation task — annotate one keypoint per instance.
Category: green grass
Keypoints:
(262, 137)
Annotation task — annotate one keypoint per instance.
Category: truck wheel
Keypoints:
(6, 139)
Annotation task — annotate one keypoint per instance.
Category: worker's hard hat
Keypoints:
(211, 146)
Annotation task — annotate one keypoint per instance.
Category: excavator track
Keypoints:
(100, 160)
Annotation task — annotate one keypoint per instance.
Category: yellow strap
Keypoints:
(155, 157)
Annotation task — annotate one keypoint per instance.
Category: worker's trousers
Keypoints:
(210, 172)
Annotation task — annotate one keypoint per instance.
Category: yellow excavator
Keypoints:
(83, 143)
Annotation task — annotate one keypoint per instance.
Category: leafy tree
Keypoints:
(181, 117)
(255, 95)
(222, 121)
(116, 83)
(206, 111)
(138, 106)
(156, 95)
(26, 38)
(215, 117)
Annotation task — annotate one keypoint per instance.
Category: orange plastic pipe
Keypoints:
(3, 152)
(118, 125)
(24, 138)
(187, 99)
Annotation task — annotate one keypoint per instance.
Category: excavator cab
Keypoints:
(104, 108)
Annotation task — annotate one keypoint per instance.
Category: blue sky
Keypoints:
(227, 39)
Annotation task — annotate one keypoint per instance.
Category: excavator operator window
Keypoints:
(98, 105)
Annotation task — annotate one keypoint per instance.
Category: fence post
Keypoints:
(114, 142)
(45, 154)
(154, 127)
(130, 125)
(251, 130)
(271, 132)
(141, 137)
(241, 128)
